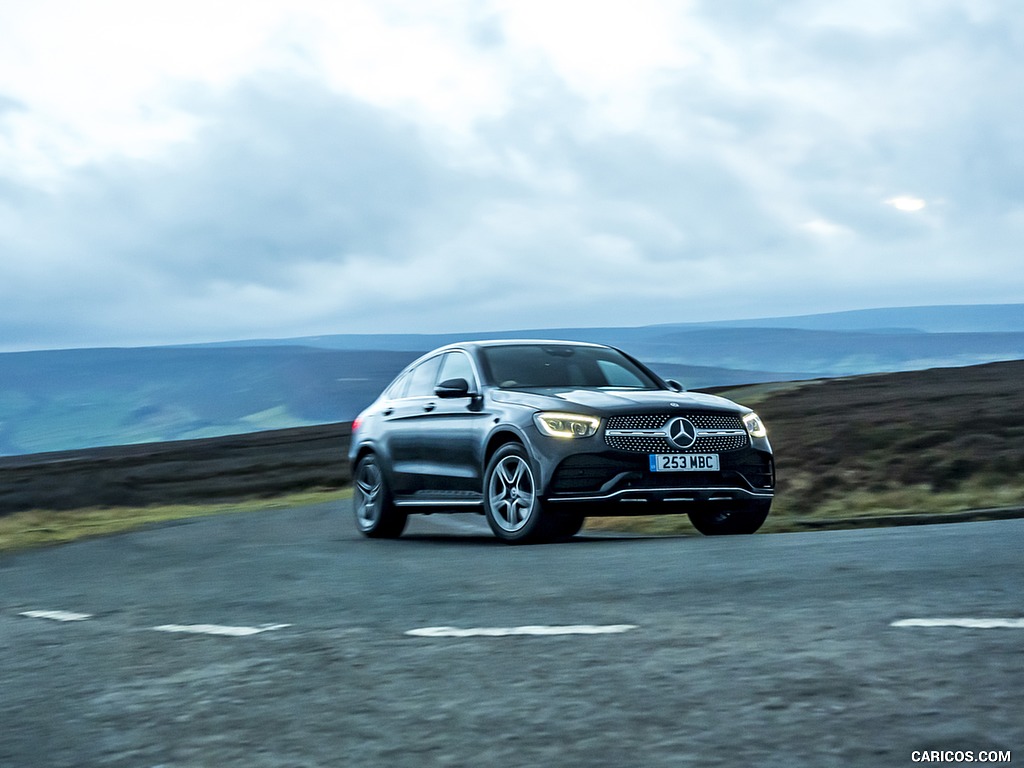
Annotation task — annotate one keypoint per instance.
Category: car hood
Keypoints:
(623, 401)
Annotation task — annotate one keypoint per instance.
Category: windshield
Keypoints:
(529, 366)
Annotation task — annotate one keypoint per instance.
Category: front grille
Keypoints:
(659, 420)
(705, 443)
(710, 444)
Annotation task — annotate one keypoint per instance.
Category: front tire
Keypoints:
(377, 517)
(730, 521)
(511, 502)
(566, 525)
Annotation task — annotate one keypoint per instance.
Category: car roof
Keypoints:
(514, 342)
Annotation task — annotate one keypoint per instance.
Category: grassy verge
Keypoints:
(38, 528)
(856, 505)
(919, 499)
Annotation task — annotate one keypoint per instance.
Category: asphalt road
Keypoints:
(768, 650)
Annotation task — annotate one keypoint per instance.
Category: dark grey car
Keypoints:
(537, 435)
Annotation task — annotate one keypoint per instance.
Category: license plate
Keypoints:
(684, 462)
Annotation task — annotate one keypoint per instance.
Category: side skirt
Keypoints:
(442, 501)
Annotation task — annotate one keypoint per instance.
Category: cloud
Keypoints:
(470, 166)
(283, 173)
(8, 104)
(906, 203)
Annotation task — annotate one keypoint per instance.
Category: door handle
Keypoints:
(388, 411)
(429, 406)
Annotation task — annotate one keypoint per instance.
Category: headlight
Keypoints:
(566, 424)
(755, 427)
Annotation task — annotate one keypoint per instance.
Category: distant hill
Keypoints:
(972, 318)
(63, 400)
(69, 399)
(962, 318)
(828, 353)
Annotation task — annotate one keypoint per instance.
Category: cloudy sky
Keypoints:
(192, 171)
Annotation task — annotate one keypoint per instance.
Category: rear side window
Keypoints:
(423, 377)
(397, 389)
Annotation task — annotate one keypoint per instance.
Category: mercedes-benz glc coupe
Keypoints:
(537, 435)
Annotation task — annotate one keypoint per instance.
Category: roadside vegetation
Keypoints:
(38, 528)
(921, 441)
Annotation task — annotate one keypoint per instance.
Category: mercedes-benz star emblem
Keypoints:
(681, 433)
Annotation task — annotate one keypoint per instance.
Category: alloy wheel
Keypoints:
(511, 493)
(369, 485)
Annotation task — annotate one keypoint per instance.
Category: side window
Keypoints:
(423, 377)
(397, 389)
(456, 365)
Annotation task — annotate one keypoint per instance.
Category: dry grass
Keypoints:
(39, 528)
(856, 506)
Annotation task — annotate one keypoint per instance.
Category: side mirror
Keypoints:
(452, 388)
(675, 386)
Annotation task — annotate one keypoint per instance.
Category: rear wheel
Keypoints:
(511, 503)
(376, 514)
(730, 521)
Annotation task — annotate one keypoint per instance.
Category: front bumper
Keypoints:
(623, 484)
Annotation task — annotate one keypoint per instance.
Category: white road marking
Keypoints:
(56, 615)
(541, 631)
(216, 629)
(962, 623)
